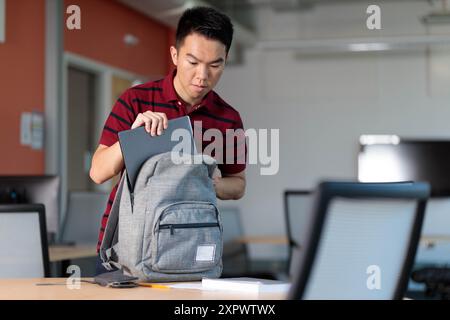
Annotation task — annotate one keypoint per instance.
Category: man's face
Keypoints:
(200, 62)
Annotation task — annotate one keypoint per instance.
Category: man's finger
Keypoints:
(160, 126)
(137, 122)
(154, 124)
(165, 120)
(148, 123)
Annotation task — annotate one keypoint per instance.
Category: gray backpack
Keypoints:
(168, 228)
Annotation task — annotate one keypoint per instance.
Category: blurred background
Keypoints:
(311, 68)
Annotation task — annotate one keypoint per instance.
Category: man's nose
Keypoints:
(202, 73)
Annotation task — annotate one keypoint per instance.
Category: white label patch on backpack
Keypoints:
(205, 252)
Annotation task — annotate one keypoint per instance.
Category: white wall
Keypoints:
(323, 103)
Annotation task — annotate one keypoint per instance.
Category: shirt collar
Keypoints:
(168, 89)
(171, 94)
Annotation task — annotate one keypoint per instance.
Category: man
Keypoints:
(203, 39)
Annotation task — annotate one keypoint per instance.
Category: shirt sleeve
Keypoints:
(120, 118)
(235, 140)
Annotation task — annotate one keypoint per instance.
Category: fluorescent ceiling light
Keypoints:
(362, 47)
(355, 44)
(368, 139)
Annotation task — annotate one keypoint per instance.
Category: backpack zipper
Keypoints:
(187, 225)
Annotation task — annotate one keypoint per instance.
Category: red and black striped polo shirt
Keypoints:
(160, 96)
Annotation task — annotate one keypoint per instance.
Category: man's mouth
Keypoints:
(199, 88)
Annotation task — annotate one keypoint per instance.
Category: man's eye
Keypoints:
(215, 65)
(193, 63)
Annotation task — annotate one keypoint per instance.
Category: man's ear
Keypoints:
(174, 55)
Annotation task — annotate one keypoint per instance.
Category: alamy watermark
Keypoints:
(74, 280)
(236, 146)
(373, 281)
(73, 21)
(373, 22)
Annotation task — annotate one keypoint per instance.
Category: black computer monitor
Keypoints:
(355, 228)
(34, 189)
(407, 160)
(29, 256)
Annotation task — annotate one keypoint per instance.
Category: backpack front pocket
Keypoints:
(188, 238)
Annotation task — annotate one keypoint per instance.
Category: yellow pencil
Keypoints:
(153, 285)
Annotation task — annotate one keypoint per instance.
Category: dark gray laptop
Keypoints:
(138, 145)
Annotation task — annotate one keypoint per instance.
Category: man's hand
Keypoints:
(216, 176)
(155, 122)
(229, 187)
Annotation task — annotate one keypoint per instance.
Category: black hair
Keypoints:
(206, 21)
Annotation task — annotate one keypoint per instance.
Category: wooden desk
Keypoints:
(279, 240)
(63, 254)
(433, 240)
(60, 253)
(262, 240)
(26, 289)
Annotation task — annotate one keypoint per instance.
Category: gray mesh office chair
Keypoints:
(235, 254)
(235, 258)
(297, 215)
(362, 242)
(84, 211)
(23, 241)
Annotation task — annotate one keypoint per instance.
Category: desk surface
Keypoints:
(59, 253)
(64, 252)
(425, 239)
(262, 239)
(26, 289)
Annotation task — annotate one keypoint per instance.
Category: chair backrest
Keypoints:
(297, 216)
(84, 212)
(23, 241)
(362, 242)
(42, 189)
(435, 239)
(232, 231)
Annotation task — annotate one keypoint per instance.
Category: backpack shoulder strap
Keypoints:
(111, 235)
